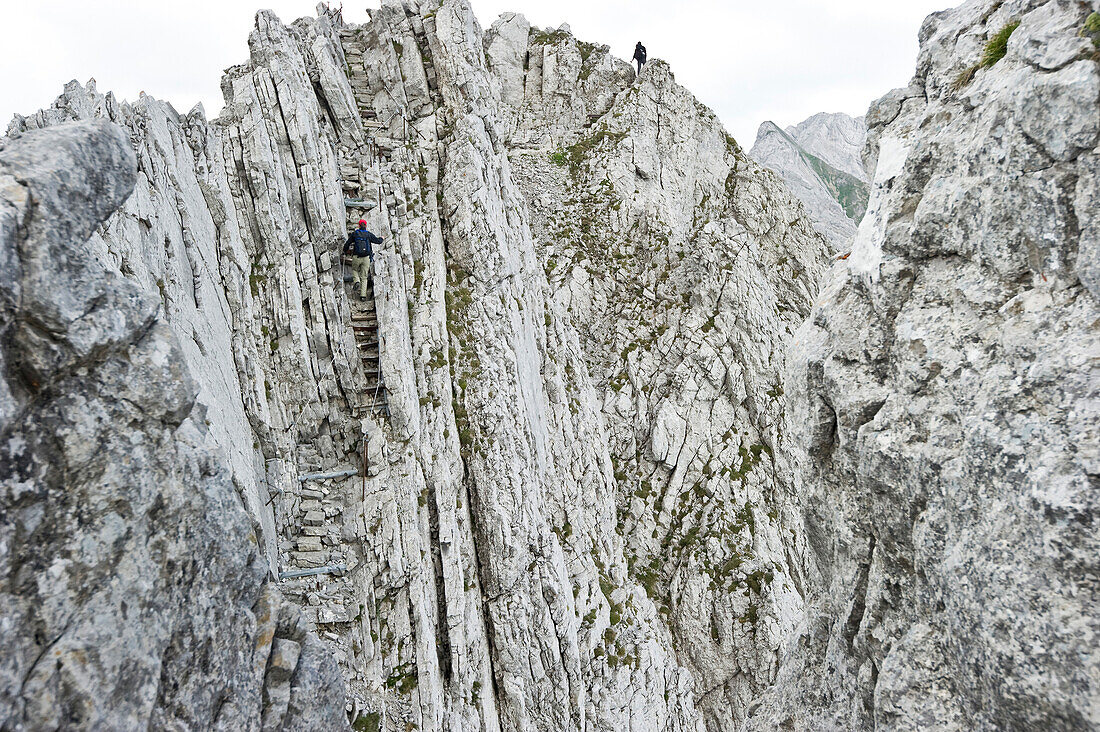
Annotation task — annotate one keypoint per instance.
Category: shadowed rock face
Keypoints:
(132, 593)
(942, 402)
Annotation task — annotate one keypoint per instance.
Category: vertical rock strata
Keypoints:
(942, 401)
(682, 264)
(133, 594)
(477, 575)
(560, 472)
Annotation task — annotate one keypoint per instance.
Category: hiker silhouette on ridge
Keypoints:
(639, 56)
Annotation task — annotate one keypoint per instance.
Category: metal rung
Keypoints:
(325, 476)
(351, 203)
(337, 569)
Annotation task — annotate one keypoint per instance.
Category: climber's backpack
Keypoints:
(361, 243)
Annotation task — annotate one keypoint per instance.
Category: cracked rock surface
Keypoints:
(133, 593)
(681, 263)
(941, 402)
(608, 446)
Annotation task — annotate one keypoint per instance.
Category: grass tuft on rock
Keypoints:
(995, 50)
(370, 722)
(1092, 30)
(997, 46)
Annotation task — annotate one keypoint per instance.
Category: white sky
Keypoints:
(750, 60)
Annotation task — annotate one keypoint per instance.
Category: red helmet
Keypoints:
(362, 222)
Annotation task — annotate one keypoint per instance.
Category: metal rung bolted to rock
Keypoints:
(325, 476)
(336, 569)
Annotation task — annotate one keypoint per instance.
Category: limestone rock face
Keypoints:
(681, 263)
(820, 161)
(836, 138)
(942, 402)
(552, 83)
(222, 227)
(588, 456)
(487, 563)
(133, 592)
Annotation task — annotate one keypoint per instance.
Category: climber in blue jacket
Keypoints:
(359, 246)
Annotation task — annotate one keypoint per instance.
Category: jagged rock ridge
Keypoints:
(489, 558)
(479, 573)
(597, 493)
(682, 263)
(820, 160)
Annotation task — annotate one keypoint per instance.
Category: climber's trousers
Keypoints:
(360, 270)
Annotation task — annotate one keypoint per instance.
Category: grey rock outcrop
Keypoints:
(836, 138)
(591, 457)
(942, 402)
(681, 263)
(133, 594)
(819, 160)
(489, 555)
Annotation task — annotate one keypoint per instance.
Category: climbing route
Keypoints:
(361, 172)
(364, 323)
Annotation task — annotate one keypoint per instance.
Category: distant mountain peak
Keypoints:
(820, 161)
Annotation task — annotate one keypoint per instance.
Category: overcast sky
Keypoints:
(779, 60)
